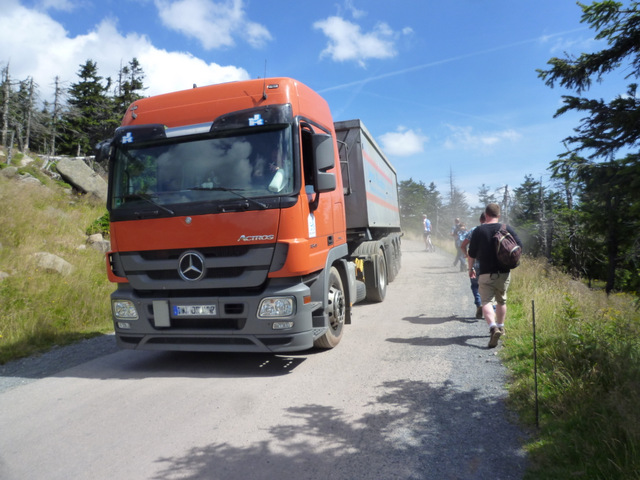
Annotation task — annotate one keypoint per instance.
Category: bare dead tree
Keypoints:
(5, 104)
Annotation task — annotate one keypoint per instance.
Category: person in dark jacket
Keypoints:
(493, 280)
(475, 266)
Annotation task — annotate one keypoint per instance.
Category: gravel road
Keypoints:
(411, 392)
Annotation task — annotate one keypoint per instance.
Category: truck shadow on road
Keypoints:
(411, 430)
(138, 364)
(100, 358)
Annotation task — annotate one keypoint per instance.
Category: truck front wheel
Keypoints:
(336, 312)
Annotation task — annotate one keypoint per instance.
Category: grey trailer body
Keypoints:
(371, 207)
(370, 181)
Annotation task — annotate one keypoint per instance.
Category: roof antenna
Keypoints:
(264, 82)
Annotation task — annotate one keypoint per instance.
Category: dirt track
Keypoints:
(411, 392)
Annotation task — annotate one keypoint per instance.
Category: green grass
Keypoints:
(588, 352)
(41, 309)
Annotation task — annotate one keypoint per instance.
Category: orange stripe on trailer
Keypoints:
(375, 199)
(375, 165)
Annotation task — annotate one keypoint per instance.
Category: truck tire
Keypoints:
(375, 277)
(336, 312)
(393, 261)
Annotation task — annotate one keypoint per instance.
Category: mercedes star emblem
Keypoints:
(191, 266)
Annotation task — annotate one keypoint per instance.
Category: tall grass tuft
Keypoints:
(40, 308)
(588, 348)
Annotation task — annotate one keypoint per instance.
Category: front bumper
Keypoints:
(235, 327)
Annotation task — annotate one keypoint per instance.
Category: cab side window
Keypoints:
(307, 157)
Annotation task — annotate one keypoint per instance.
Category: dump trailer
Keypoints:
(242, 219)
(371, 206)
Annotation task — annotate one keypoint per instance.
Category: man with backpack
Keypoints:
(497, 248)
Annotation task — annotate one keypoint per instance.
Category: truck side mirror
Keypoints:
(323, 157)
(103, 149)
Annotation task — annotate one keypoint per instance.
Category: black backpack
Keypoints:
(507, 249)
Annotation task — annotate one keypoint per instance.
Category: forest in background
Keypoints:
(586, 222)
(80, 116)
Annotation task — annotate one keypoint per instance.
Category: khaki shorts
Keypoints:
(493, 287)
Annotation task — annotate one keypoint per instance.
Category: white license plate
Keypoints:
(194, 310)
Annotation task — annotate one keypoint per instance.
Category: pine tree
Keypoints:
(610, 189)
(416, 199)
(129, 87)
(89, 111)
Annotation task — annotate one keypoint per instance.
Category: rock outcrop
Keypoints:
(53, 264)
(82, 177)
(97, 242)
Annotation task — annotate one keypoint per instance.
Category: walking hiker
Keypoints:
(454, 234)
(460, 256)
(493, 279)
(475, 266)
(426, 225)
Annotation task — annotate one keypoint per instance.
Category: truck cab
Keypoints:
(227, 221)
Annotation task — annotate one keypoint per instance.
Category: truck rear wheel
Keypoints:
(336, 312)
(393, 261)
(375, 277)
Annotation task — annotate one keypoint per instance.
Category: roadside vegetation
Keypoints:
(41, 309)
(588, 375)
(586, 424)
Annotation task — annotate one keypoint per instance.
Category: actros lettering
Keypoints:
(253, 238)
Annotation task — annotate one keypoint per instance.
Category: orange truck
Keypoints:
(244, 219)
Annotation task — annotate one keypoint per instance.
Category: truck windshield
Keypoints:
(212, 169)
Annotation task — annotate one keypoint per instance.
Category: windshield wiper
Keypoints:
(147, 198)
(231, 190)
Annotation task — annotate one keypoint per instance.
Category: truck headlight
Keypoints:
(276, 307)
(124, 310)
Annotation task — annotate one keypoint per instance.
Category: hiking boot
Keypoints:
(495, 336)
(503, 331)
(479, 312)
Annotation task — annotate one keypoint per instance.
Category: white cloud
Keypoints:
(569, 41)
(465, 138)
(348, 42)
(63, 5)
(162, 66)
(403, 143)
(23, 32)
(562, 45)
(351, 8)
(213, 24)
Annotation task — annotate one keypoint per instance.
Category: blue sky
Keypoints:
(445, 87)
